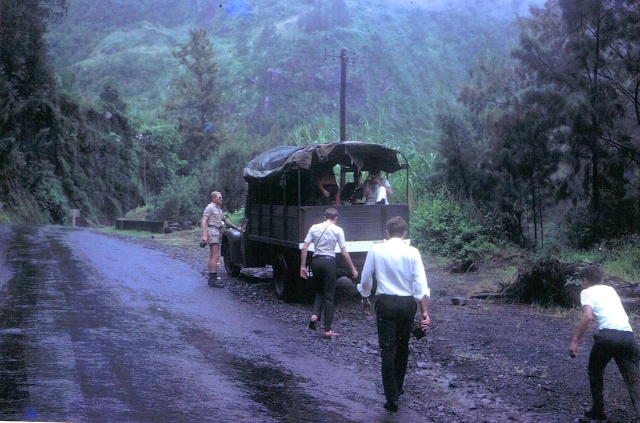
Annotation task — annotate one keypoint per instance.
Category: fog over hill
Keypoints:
(276, 59)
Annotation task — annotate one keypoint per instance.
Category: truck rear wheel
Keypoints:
(283, 280)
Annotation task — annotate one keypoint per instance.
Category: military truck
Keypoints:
(283, 202)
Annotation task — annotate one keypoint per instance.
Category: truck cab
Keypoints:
(283, 202)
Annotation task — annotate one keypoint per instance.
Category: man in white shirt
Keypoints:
(402, 284)
(324, 236)
(614, 340)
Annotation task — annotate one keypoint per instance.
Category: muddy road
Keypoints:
(94, 329)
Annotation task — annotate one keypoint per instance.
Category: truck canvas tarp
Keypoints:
(364, 156)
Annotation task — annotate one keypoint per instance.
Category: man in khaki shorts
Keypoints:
(213, 220)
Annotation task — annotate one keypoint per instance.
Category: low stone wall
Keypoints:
(155, 226)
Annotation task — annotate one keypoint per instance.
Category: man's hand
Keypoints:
(366, 306)
(425, 321)
(573, 349)
(303, 272)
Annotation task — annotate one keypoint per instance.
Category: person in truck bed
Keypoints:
(377, 189)
(325, 180)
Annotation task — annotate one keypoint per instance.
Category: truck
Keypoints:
(282, 203)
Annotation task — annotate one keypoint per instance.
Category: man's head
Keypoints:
(396, 227)
(331, 214)
(216, 197)
(589, 275)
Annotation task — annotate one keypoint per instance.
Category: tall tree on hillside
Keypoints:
(508, 163)
(574, 48)
(195, 101)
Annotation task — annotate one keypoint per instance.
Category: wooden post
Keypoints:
(343, 94)
(73, 213)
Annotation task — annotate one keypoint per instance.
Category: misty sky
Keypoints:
(499, 7)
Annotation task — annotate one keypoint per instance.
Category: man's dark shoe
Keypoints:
(595, 415)
(214, 281)
(391, 406)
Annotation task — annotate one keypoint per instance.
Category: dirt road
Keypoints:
(487, 361)
(97, 329)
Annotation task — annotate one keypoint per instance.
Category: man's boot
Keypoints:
(214, 282)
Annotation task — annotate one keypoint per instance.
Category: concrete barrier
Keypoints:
(155, 226)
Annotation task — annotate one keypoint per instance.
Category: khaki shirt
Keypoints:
(215, 216)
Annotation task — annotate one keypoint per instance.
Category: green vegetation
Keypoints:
(620, 257)
(443, 226)
(151, 105)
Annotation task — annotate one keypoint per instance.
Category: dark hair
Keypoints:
(396, 226)
(591, 273)
(330, 213)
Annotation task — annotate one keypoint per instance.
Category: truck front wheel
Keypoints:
(232, 269)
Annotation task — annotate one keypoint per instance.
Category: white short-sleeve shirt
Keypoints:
(607, 307)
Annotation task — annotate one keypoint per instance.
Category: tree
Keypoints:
(556, 124)
(500, 158)
(195, 101)
(111, 99)
(576, 49)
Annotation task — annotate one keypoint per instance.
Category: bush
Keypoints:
(441, 226)
(180, 198)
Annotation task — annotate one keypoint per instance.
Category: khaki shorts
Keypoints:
(214, 235)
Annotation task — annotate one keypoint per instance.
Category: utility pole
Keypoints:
(343, 92)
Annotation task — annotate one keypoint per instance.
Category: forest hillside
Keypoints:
(277, 60)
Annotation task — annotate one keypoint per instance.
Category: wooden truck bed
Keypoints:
(287, 225)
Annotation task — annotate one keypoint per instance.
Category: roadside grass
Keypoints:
(186, 238)
(110, 230)
(626, 265)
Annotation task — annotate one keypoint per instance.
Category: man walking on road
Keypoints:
(402, 283)
(614, 340)
(212, 224)
(324, 236)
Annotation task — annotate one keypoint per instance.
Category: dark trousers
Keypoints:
(622, 347)
(394, 316)
(324, 275)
